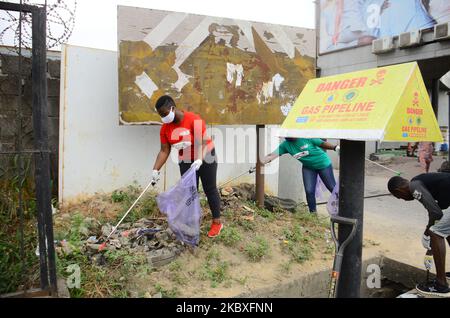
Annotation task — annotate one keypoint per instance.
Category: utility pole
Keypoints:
(259, 178)
(351, 205)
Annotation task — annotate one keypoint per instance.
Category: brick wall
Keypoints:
(9, 101)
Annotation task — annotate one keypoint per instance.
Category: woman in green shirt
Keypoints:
(315, 161)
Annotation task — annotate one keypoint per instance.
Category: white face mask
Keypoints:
(169, 118)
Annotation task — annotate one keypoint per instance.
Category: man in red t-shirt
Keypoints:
(186, 132)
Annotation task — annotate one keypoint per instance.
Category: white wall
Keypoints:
(99, 155)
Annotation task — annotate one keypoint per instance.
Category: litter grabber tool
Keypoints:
(103, 245)
(250, 171)
(339, 249)
(398, 173)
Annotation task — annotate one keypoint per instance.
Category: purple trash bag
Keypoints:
(333, 201)
(181, 204)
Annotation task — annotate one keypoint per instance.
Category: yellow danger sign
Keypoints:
(385, 104)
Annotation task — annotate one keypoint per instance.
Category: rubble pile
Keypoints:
(233, 197)
(150, 236)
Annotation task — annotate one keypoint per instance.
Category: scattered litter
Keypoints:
(106, 229)
(246, 192)
(153, 237)
(250, 218)
(92, 240)
(227, 191)
(125, 234)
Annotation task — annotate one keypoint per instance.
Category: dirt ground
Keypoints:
(260, 248)
(257, 248)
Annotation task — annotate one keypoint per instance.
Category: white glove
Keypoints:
(337, 149)
(197, 163)
(155, 176)
(426, 242)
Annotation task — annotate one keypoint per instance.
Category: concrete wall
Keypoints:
(9, 101)
(99, 155)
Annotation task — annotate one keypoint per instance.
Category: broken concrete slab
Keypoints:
(161, 257)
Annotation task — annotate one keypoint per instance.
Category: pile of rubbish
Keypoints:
(152, 236)
(232, 197)
(149, 236)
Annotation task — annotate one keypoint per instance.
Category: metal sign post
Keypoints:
(351, 205)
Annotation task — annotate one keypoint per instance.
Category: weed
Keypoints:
(175, 266)
(212, 255)
(167, 293)
(230, 236)
(118, 196)
(216, 272)
(286, 267)
(296, 234)
(242, 280)
(257, 249)
(179, 278)
(246, 225)
(300, 253)
(298, 244)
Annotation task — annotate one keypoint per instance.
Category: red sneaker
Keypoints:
(215, 229)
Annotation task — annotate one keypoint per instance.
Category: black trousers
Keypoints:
(208, 175)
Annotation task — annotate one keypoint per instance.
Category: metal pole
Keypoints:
(259, 179)
(42, 160)
(351, 205)
(435, 96)
(21, 173)
(448, 128)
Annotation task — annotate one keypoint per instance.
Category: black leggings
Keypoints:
(208, 175)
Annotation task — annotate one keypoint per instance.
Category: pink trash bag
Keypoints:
(181, 204)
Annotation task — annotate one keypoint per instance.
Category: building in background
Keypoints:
(362, 34)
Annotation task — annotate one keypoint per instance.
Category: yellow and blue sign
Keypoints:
(383, 104)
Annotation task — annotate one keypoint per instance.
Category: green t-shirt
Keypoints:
(307, 151)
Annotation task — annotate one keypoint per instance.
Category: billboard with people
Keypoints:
(349, 23)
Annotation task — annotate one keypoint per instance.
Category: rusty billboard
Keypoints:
(229, 71)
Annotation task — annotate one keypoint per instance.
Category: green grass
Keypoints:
(257, 249)
(215, 270)
(16, 269)
(167, 293)
(230, 236)
(298, 244)
(246, 225)
(102, 281)
(146, 207)
(176, 273)
(11, 274)
(109, 280)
